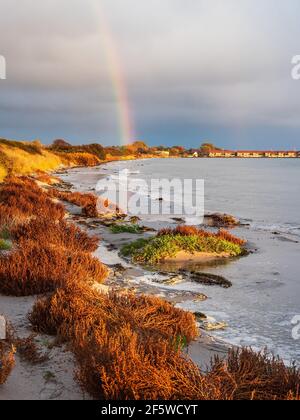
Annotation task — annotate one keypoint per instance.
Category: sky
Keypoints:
(174, 71)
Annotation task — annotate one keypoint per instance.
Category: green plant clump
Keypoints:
(5, 245)
(135, 229)
(159, 248)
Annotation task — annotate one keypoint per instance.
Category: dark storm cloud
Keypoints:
(194, 69)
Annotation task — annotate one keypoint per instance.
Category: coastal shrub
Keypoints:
(248, 375)
(88, 202)
(7, 357)
(34, 268)
(126, 347)
(168, 246)
(92, 206)
(46, 178)
(134, 229)
(124, 344)
(78, 158)
(29, 200)
(194, 231)
(59, 233)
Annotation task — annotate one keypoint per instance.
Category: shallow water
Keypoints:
(266, 284)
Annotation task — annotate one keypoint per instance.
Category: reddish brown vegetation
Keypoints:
(23, 196)
(92, 206)
(88, 202)
(34, 268)
(248, 375)
(125, 345)
(7, 357)
(48, 252)
(46, 178)
(61, 234)
(126, 349)
(29, 351)
(193, 230)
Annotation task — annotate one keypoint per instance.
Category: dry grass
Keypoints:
(23, 196)
(124, 344)
(127, 348)
(61, 234)
(29, 351)
(7, 357)
(47, 251)
(78, 159)
(194, 231)
(34, 268)
(46, 178)
(28, 157)
(92, 206)
(248, 375)
(88, 202)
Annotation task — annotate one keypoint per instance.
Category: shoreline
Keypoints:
(58, 382)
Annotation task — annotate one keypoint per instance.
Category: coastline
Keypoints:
(54, 378)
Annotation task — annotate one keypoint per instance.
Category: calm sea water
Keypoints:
(266, 285)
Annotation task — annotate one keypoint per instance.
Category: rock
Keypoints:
(210, 279)
(200, 316)
(216, 326)
(178, 219)
(174, 280)
(200, 298)
(118, 268)
(221, 220)
(134, 220)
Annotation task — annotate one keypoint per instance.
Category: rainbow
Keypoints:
(117, 76)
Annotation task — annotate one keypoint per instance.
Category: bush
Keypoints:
(124, 344)
(126, 347)
(27, 199)
(164, 246)
(92, 206)
(60, 234)
(7, 358)
(35, 268)
(134, 229)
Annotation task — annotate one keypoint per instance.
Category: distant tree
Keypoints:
(96, 149)
(60, 144)
(205, 148)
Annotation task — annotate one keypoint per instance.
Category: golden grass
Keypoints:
(17, 158)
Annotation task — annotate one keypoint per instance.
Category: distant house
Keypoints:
(281, 154)
(222, 154)
(247, 154)
(195, 155)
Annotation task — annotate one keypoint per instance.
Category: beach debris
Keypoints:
(200, 297)
(214, 326)
(174, 280)
(134, 219)
(178, 219)
(210, 279)
(221, 220)
(200, 316)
